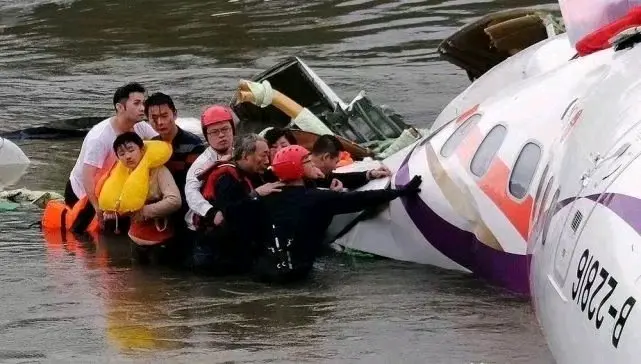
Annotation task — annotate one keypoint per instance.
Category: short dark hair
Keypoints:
(327, 144)
(128, 137)
(122, 93)
(272, 135)
(159, 99)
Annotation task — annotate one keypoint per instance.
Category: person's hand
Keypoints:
(108, 215)
(413, 186)
(336, 185)
(380, 172)
(268, 188)
(218, 218)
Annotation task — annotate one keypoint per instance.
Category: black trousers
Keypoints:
(85, 216)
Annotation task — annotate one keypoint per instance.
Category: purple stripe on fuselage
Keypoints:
(500, 268)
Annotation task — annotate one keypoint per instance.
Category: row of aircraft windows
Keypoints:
(524, 167)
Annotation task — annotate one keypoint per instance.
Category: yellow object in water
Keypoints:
(126, 191)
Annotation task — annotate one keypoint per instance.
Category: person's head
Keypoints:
(161, 113)
(218, 127)
(129, 102)
(293, 163)
(278, 138)
(326, 153)
(251, 153)
(129, 149)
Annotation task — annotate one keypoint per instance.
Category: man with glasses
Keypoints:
(218, 128)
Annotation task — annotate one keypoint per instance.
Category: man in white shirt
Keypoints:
(96, 154)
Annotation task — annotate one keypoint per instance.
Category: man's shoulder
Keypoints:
(188, 142)
(99, 129)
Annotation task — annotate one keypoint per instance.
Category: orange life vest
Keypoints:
(211, 177)
(57, 215)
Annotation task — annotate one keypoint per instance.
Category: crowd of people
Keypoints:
(232, 204)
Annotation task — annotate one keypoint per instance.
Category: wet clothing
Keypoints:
(187, 147)
(216, 249)
(198, 205)
(296, 218)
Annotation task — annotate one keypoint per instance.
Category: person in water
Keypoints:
(287, 228)
(96, 156)
(278, 138)
(151, 226)
(161, 113)
(327, 149)
(218, 128)
(325, 155)
(225, 184)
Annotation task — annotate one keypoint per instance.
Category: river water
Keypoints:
(89, 303)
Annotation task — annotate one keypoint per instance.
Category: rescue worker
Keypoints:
(327, 149)
(219, 250)
(325, 155)
(287, 228)
(96, 156)
(218, 128)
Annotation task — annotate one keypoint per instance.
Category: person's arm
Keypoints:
(195, 199)
(89, 173)
(337, 203)
(351, 180)
(231, 197)
(170, 201)
(95, 157)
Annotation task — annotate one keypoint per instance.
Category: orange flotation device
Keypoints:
(344, 159)
(58, 216)
(599, 39)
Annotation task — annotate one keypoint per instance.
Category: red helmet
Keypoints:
(288, 163)
(216, 114)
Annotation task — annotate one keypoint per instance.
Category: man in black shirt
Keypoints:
(161, 113)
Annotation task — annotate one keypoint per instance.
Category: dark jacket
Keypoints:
(186, 148)
(296, 217)
(350, 180)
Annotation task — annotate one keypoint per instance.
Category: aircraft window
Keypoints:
(539, 189)
(487, 150)
(458, 135)
(524, 168)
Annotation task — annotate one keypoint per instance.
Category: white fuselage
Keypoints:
(13, 163)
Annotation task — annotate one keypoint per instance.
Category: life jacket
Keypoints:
(126, 191)
(599, 39)
(344, 159)
(151, 232)
(58, 216)
(211, 177)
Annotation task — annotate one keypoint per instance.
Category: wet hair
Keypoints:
(159, 99)
(128, 137)
(327, 144)
(272, 135)
(245, 145)
(122, 93)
